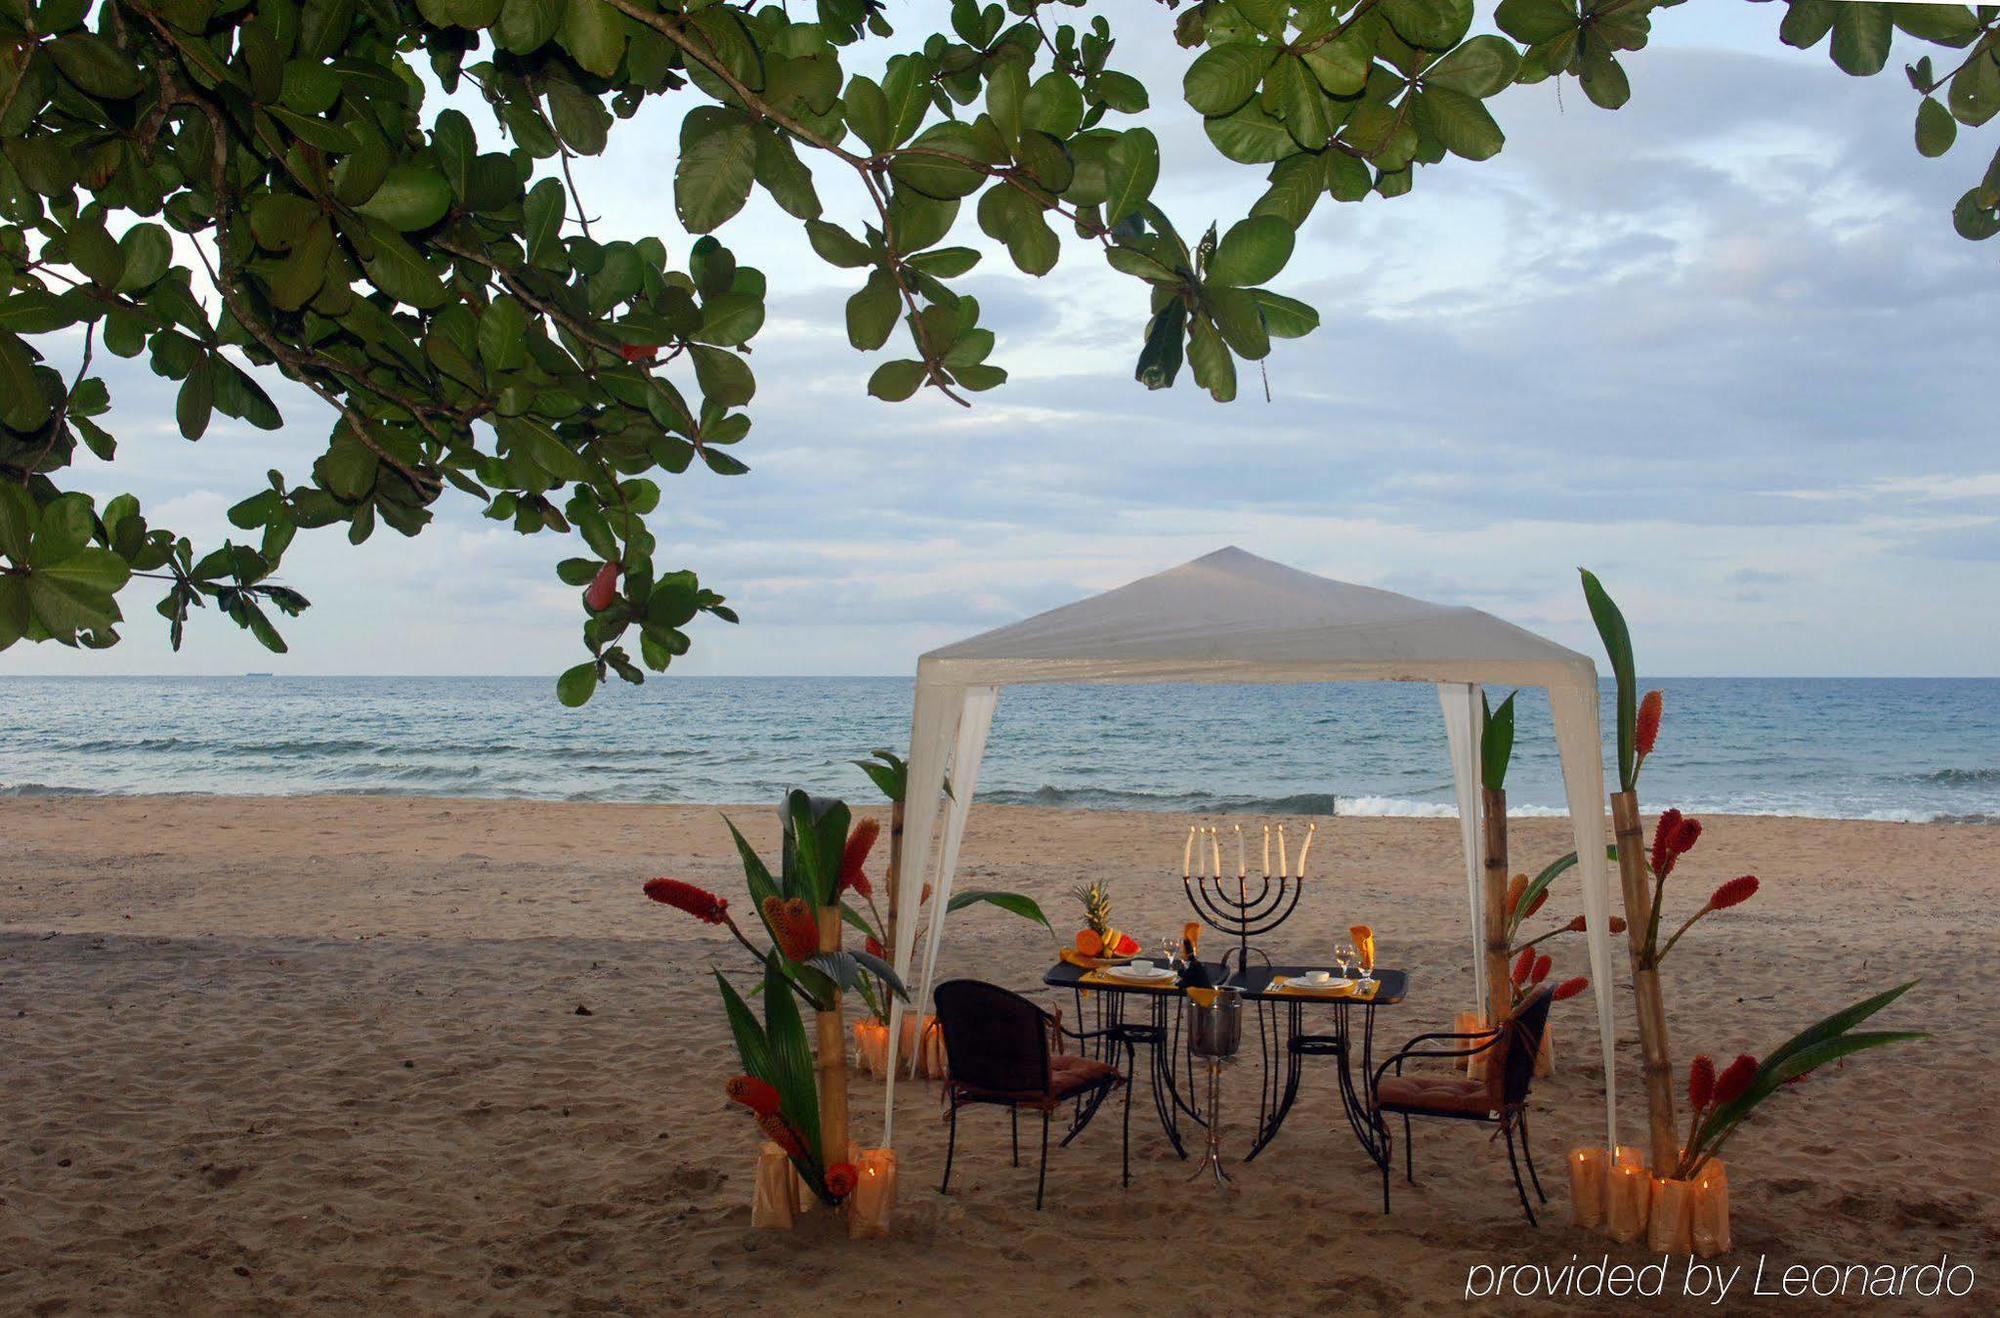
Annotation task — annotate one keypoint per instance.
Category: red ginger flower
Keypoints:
(1617, 923)
(780, 1133)
(1536, 905)
(1543, 965)
(1673, 837)
(1735, 1079)
(639, 353)
(1517, 887)
(1523, 965)
(698, 902)
(873, 947)
(1647, 730)
(859, 843)
(1569, 988)
(1576, 926)
(1701, 1082)
(1733, 893)
(793, 925)
(840, 1179)
(757, 1095)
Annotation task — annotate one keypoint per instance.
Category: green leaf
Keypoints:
(576, 685)
(752, 1049)
(1252, 252)
(1285, 317)
(1214, 369)
(18, 516)
(595, 34)
(1496, 743)
(785, 176)
(1532, 21)
(1250, 136)
(1861, 36)
(23, 405)
(1430, 24)
(1012, 902)
(871, 313)
(1617, 640)
(1603, 79)
(1132, 167)
(411, 197)
(894, 381)
(868, 112)
(147, 251)
(943, 162)
(1224, 77)
(1160, 357)
(197, 398)
(1459, 122)
(717, 166)
(1482, 67)
(883, 971)
(89, 568)
(836, 246)
(96, 66)
(791, 1059)
(1936, 129)
(399, 271)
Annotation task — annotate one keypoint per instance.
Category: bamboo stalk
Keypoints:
(832, 1056)
(1652, 1011)
(1493, 817)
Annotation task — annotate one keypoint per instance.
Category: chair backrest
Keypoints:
(993, 1037)
(1514, 1069)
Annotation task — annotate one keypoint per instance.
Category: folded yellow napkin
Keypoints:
(1364, 945)
(1203, 997)
(1335, 989)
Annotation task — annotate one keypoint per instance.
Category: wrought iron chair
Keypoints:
(1501, 1099)
(998, 1047)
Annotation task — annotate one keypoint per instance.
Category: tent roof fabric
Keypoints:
(1231, 616)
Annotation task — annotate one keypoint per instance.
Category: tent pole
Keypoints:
(1651, 1006)
(1493, 814)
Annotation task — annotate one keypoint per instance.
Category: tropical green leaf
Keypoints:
(1013, 902)
(1617, 640)
(1253, 251)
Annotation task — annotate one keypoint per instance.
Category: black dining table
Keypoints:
(1341, 1028)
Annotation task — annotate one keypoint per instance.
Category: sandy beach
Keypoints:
(414, 1055)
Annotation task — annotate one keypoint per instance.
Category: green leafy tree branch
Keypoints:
(236, 187)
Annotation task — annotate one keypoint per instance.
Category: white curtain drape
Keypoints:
(1581, 746)
(1463, 728)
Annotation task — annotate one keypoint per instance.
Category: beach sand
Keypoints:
(415, 1055)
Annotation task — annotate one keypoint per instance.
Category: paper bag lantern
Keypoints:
(773, 1197)
(933, 1054)
(873, 1203)
(1669, 1229)
(871, 1047)
(1628, 1199)
(1469, 1022)
(922, 1046)
(1586, 1186)
(1711, 1210)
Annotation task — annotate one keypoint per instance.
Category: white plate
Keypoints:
(1133, 972)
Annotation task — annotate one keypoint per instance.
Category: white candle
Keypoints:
(1187, 853)
(1307, 847)
(1239, 851)
(1215, 849)
(1284, 866)
(1267, 851)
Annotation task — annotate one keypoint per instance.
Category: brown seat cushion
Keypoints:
(1427, 1093)
(1068, 1076)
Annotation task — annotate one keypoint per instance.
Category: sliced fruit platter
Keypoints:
(1098, 944)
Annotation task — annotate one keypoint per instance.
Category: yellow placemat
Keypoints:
(1344, 990)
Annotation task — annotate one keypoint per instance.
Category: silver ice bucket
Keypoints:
(1215, 1031)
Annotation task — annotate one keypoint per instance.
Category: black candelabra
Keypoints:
(1225, 902)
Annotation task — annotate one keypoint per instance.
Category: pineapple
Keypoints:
(1097, 937)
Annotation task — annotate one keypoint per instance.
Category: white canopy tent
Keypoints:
(1231, 616)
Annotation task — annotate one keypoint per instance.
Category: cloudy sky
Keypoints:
(1722, 346)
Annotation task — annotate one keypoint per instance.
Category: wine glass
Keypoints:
(1343, 956)
(1170, 951)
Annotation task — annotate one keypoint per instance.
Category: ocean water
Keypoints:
(1891, 748)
